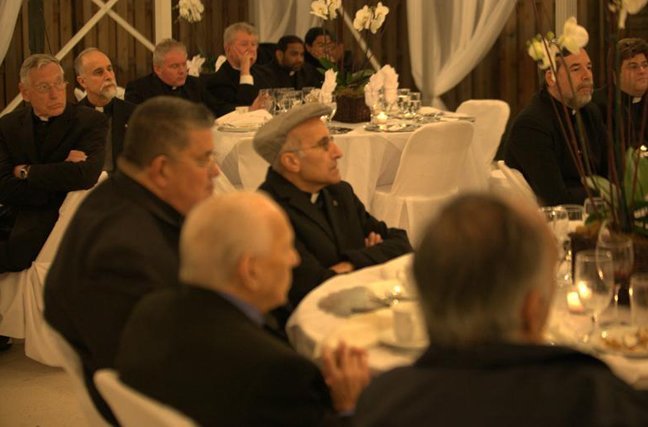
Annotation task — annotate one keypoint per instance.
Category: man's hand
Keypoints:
(75, 156)
(346, 372)
(246, 60)
(260, 102)
(342, 267)
(372, 239)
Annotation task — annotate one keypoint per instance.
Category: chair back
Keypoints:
(132, 408)
(518, 185)
(491, 116)
(222, 184)
(252, 167)
(434, 159)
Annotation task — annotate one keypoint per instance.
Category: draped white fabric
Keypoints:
(449, 38)
(277, 18)
(9, 10)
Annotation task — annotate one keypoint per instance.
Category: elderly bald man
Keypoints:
(485, 272)
(334, 233)
(203, 350)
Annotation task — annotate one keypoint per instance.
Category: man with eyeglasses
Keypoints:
(334, 233)
(46, 150)
(170, 78)
(123, 241)
(96, 75)
(632, 81)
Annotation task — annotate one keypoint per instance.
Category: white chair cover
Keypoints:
(69, 360)
(252, 167)
(223, 185)
(21, 293)
(491, 116)
(431, 171)
(515, 183)
(134, 409)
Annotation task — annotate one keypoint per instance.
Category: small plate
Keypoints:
(396, 127)
(241, 128)
(628, 341)
(338, 130)
(387, 337)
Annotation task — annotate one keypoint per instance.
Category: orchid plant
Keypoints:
(627, 190)
(191, 10)
(369, 18)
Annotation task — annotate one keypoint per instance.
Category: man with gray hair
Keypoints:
(46, 150)
(485, 273)
(96, 76)
(238, 80)
(236, 255)
(170, 78)
(123, 241)
(334, 232)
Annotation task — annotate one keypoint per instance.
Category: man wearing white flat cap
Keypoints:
(334, 233)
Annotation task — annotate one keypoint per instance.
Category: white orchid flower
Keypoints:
(194, 65)
(333, 6)
(191, 10)
(538, 51)
(574, 36)
(379, 14)
(362, 19)
(625, 8)
(320, 9)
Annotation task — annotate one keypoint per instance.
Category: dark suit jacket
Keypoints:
(281, 77)
(537, 148)
(323, 242)
(193, 349)
(193, 90)
(224, 85)
(119, 112)
(633, 116)
(36, 200)
(502, 385)
(121, 245)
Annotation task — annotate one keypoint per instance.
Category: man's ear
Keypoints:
(247, 273)
(279, 55)
(158, 171)
(290, 162)
(23, 91)
(550, 78)
(81, 82)
(535, 308)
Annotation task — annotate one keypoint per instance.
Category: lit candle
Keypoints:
(573, 303)
(381, 118)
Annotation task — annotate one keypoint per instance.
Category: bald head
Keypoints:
(485, 271)
(240, 243)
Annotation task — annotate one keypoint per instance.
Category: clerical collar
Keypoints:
(313, 197)
(42, 119)
(100, 109)
(636, 99)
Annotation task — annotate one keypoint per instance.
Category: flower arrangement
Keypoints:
(190, 10)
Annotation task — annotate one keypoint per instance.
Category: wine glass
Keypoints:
(329, 101)
(594, 283)
(622, 250)
(558, 220)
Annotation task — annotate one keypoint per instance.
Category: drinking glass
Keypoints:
(558, 220)
(639, 299)
(268, 99)
(594, 283)
(403, 100)
(414, 103)
(332, 104)
(594, 207)
(622, 250)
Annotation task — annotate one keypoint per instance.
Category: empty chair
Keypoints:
(134, 409)
(252, 167)
(431, 171)
(491, 116)
(21, 293)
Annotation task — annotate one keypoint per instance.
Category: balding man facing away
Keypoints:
(202, 348)
(485, 272)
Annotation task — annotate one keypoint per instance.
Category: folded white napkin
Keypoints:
(428, 111)
(330, 82)
(390, 84)
(236, 118)
(194, 65)
(372, 89)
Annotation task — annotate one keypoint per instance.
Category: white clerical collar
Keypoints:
(636, 99)
(314, 197)
(42, 119)
(100, 109)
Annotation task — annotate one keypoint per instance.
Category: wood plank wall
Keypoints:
(506, 72)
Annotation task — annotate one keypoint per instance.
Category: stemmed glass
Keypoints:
(558, 220)
(332, 104)
(594, 282)
(622, 250)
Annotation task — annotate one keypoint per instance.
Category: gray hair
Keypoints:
(164, 47)
(161, 125)
(230, 32)
(78, 61)
(219, 232)
(473, 268)
(36, 62)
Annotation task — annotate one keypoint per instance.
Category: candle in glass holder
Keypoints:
(573, 303)
(381, 118)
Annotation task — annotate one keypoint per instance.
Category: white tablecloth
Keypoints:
(310, 327)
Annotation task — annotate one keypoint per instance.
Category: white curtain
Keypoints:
(9, 10)
(277, 18)
(449, 38)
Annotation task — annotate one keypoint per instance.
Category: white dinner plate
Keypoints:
(387, 337)
(628, 341)
(240, 128)
(390, 128)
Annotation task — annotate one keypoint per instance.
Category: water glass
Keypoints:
(594, 282)
(558, 221)
(595, 208)
(639, 299)
(622, 250)
(268, 99)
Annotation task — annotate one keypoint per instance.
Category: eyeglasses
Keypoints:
(633, 66)
(46, 87)
(324, 144)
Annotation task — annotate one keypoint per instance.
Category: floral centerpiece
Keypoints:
(351, 106)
